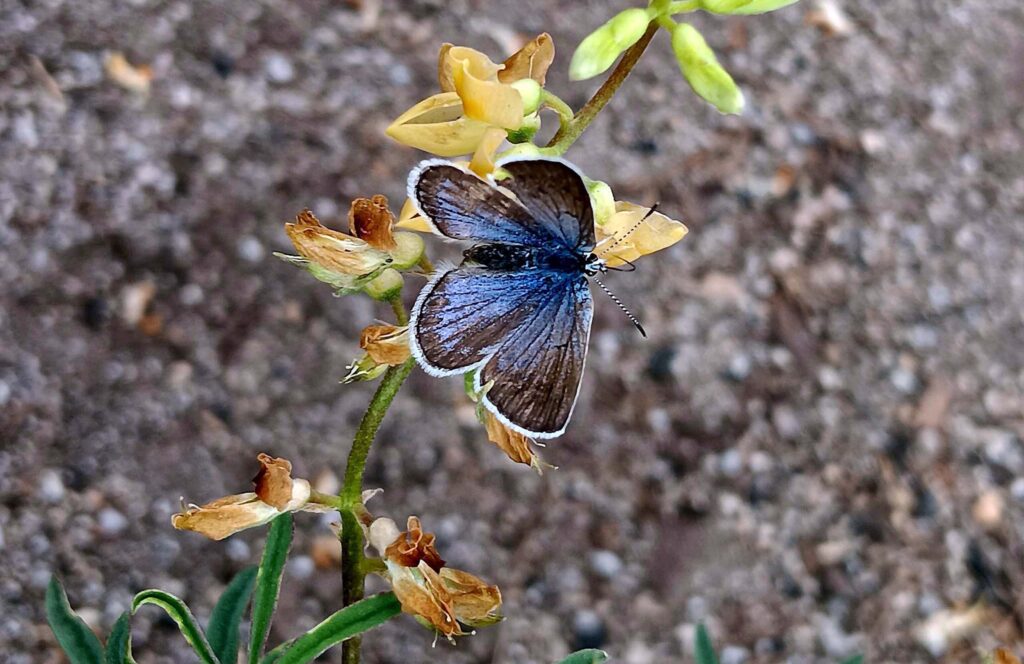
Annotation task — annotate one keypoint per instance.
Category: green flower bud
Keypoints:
(701, 69)
(526, 131)
(743, 6)
(385, 287)
(408, 250)
(521, 150)
(599, 50)
(601, 199)
(529, 90)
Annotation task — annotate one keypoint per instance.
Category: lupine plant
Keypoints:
(484, 113)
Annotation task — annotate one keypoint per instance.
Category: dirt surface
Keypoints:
(817, 451)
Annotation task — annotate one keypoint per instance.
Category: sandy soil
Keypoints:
(817, 451)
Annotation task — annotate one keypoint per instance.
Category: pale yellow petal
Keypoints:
(438, 125)
(623, 237)
(486, 100)
(409, 218)
(483, 159)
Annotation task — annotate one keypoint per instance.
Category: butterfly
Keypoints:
(518, 309)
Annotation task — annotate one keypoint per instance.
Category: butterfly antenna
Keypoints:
(626, 311)
(631, 230)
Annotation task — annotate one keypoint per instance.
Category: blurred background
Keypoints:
(817, 452)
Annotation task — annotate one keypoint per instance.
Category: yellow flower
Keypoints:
(371, 220)
(624, 237)
(439, 597)
(477, 95)
(275, 493)
(515, 445)
(385, 345)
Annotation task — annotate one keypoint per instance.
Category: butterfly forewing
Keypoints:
(556, 196)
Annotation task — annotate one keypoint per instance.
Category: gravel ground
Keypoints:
(817, 451)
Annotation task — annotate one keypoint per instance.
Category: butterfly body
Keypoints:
(516, 257)
(517, 310)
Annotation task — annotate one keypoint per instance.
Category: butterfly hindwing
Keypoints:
(535, 375)
(466, 313)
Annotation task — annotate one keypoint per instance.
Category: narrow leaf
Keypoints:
(703, 72)
(74, 636)
(589, 656)
(227, 615)
(855, 659)
(180, 614)
(703, 651)
(268, 583)
(119, 644)
(350, 621)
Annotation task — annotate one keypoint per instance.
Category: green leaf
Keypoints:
(268, 583)
(119, 645)
(701, 69)
(856, 659)
(601, 48)
(180, 614)
(743, 6)
(223, 628)
(350, 621)
(74, 636)
(589, 656)
(703, 651)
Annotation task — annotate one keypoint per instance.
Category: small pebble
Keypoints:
(301, 567)
(589, 630)
(51, 487)
(111, 522)
(605, 563)
(250, 249)
(279, 68)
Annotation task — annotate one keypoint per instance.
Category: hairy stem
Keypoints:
(567, 135)
(353, 569)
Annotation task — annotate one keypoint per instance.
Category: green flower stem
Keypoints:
(665, 21)
(352, 568)
(399, 309)
(683, 7)
(555, 103)
(567, 135)
(327, 500)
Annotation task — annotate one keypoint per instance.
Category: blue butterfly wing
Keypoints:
(466, 313)
(535, 375)
(527, 330)
(549, 207)
(555, 194)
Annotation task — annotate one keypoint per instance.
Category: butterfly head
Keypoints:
(594, 264)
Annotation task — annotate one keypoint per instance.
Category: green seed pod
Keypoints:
(409, 250)
(743, 6)
(385, 287)
(701, 69)
(529, 90)
(599, 50)
(601, 200)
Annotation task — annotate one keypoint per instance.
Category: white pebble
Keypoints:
(111, 521)
(51, 487)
